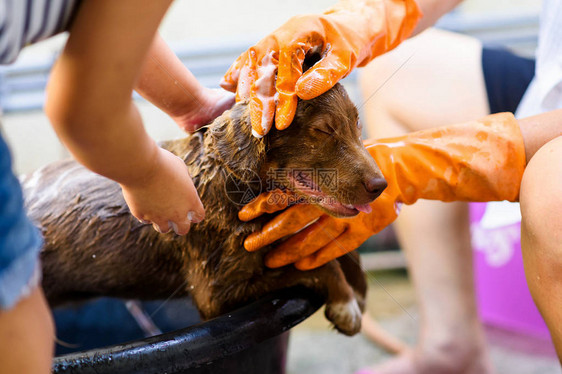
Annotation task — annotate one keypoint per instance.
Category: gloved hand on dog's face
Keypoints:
(348, 35)
(475, 161)
(323, 238)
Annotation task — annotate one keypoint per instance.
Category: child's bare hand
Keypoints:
(167, 198)
(211, 104)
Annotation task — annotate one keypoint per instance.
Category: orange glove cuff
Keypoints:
(480, 160)
(365, 29)
(350, 34)
(386, 22)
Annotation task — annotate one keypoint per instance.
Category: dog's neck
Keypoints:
(227, 140)
(230, 138)
(224, 152)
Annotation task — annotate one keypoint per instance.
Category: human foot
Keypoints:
(450, 357)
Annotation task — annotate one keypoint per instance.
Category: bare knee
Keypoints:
(431, 80)
(541, 233)
(27, 336)
(541, 204)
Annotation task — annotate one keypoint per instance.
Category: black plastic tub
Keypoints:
(252, 339)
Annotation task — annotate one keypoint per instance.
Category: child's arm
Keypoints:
(169, 85)
(89, 103)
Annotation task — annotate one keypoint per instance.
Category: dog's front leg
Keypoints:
(342, 305)
(351, 266)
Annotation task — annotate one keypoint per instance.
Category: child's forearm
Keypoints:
(167, 83)
(90, 88)
(116, 147)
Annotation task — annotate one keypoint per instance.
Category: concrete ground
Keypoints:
(316, 348)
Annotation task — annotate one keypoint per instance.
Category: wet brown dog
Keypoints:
(95, 247)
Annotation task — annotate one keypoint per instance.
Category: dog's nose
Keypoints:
(375, 186)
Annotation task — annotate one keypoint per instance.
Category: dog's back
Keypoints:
(95, 247)
(90, 236)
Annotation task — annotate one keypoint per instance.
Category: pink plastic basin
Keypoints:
(503, 296)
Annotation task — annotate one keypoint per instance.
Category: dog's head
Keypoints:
(320, 157)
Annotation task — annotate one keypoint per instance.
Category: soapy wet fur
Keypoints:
(95, 247)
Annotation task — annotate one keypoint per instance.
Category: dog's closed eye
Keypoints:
(324, 131)
(324, 128)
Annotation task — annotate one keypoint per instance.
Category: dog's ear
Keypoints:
(240, 152)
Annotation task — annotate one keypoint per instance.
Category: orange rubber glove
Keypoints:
(348, 35)
(475, 161)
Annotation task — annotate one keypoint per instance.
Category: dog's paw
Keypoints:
(346, 316)
(361, 302)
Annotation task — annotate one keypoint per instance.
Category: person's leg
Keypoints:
(541, 234)
(27, 336)
(441, 83)
(26, 326)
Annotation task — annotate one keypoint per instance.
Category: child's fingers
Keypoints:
(161, 227)
(181, 228)
(196, 212)
(189, 204)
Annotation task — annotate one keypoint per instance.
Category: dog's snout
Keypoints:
(375, 186)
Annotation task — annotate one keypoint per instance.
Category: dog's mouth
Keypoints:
(302, 183)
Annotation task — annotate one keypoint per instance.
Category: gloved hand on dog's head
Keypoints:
(348, 35)
(475, 161)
